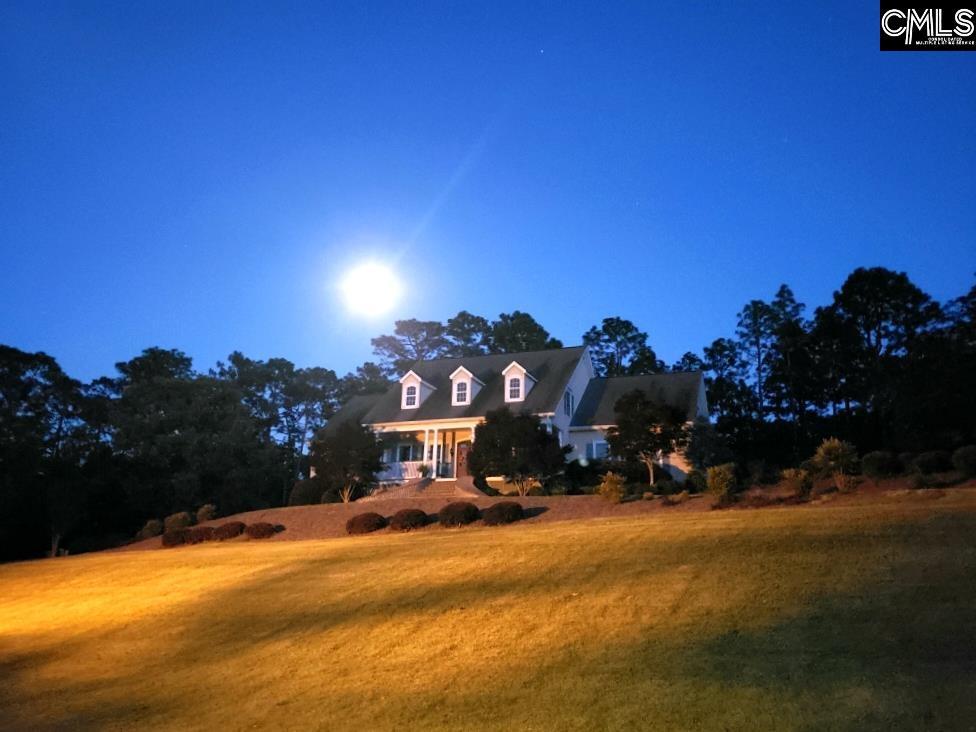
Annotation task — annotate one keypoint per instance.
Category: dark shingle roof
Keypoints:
(679, 389)
(352, 411)
(551, 369)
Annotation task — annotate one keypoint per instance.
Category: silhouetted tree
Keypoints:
(646, 430)
(518, 331)
(619, 348)
(348, 456)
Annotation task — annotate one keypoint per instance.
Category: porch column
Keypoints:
(436, 461)
(424, 456)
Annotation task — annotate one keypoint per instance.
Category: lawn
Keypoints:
(831, 617)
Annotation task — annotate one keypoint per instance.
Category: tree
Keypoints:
(348, 457)
(467, 335)
(412, 340)
(646, 430)
(706, 447)
(191, 440)
(619, 349)
(518, 447)
(755, 331)
(367, 379)
(518, 331)
(689, 362)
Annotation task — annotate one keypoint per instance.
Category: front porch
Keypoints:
(435, 452)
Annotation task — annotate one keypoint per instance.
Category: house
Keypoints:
(427, 418)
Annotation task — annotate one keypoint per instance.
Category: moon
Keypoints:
(370, 289)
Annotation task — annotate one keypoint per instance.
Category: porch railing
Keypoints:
(410, 470)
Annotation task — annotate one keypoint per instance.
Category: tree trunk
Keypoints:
(346, 493)
(55, 542)
(649, 462)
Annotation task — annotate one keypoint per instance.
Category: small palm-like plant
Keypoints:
(836, 458)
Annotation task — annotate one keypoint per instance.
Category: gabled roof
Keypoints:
(517, 365)
(679, 389)
(550, 368)
(418, 377)
(461, 369)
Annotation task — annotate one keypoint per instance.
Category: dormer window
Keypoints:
(518, 382)
(464, 387)
(415, 390)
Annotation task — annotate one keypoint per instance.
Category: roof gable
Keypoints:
(678, 389)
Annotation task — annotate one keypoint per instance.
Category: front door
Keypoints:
(462, 459)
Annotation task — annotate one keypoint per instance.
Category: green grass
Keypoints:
(846, 617)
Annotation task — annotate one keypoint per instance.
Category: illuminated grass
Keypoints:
(816, 618)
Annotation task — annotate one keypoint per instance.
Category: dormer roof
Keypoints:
(465, 372)
(418, 377)
(520, 367)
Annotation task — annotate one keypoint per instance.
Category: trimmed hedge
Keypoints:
(199, 534)
(230, 530)
(459, 513)
(935, 461)
(174, 537)
(260, 530)
(365, 523)
(964, 460)
(505, 512)
(408, 519)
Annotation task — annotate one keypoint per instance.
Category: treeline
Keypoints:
(84, 465)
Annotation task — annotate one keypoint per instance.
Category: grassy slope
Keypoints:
(847, 617)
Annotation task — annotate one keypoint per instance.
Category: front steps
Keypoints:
(457, 489)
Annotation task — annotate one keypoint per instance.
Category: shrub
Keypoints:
(907, 460)
(798, 480)
(648, 495)
(612, 487)
(199, 534)
(676, 499)
(365, 523)
(180, 520)
(407, 519)
(835, 456)
(259, 530)
(936, 461)
(918, 481)
(761, 473)
(230, 530)
(207, 512)
(722, 482)
(696, 482)
(174, 537)
(279, 528)
(880, 464)
(504, 512)
(845, 483)
(458, 514)
(964, 460)
(153, 527)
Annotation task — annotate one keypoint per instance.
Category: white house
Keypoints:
(428, 417)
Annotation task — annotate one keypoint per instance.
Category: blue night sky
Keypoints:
(200, 176)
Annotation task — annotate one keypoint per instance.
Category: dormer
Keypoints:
(464, 387)
(517, 382)
(413, 390)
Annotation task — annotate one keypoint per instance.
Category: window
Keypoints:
(405, 453)
(569, 403)
(461, 397)
(411, 400)
(597, 450)
(514, 388)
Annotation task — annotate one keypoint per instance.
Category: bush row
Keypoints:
(230, 530)
(459, 513)
(179, 520)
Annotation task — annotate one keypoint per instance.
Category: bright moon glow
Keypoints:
(370, 289)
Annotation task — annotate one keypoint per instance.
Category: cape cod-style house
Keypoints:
(427, 418)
